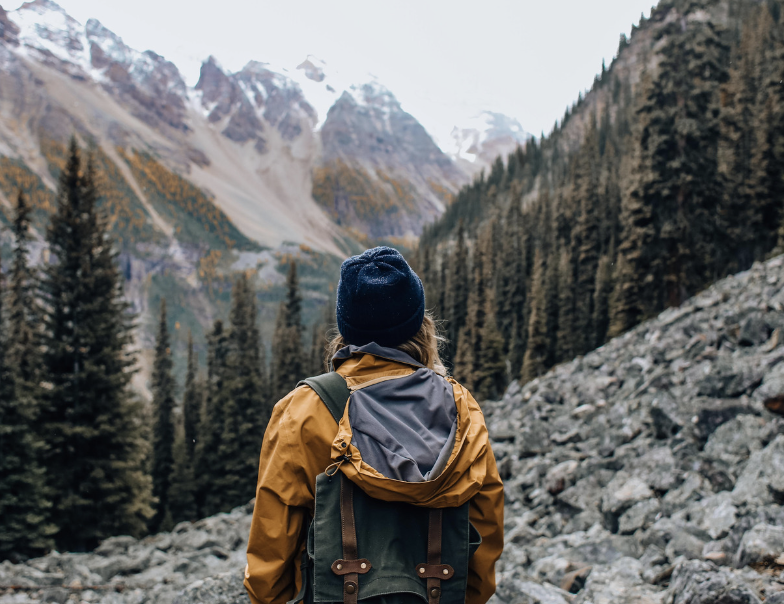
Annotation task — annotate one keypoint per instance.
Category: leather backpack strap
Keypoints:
(332, 390)
(434, 571)
(350, 566)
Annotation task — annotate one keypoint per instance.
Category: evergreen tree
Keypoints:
(182, 482)
(536, 355)
(587, 233)
(183, 486)
(245, 411)
(464, 359)
(603, 291)
(207, 466)
(288, 355)
(24, 497)
(459, 287)
(492, 374)
(565, 347)
(163, 425)
(94, 425)
(512, 284)
(191, 401)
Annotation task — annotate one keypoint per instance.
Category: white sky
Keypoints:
(445, 60)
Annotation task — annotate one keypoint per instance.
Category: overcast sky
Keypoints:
(445, 60)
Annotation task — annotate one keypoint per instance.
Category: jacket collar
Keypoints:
(390, 354)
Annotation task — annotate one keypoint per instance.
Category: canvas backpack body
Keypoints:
(361, 549)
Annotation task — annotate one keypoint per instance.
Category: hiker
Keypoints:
(377, 481)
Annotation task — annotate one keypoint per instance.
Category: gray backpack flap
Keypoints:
(381, 552)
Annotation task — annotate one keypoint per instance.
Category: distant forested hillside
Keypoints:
(666, 176)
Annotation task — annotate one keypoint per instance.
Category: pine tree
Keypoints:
(459, 287)
(24, 497)
(587, 233)
(512, 284)
(182, 482)
(191, 401)
(493, 375)
(679, 143)
(94, 425)
(535, 361)
(565, 348)
(207, 466)
(163, 425)
(288, 355)
(633, 294)
(603, 291)
(245, 411)
(183, 486)
(464, 359)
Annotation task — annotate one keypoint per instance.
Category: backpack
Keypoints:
(380, 552)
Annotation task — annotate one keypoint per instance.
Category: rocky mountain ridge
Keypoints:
(650, 471)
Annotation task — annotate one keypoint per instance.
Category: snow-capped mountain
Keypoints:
(480, 139)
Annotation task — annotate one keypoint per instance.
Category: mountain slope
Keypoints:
(650, 470)
(664, 177)
(198, 183)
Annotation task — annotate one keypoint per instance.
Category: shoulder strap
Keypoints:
(331, 388)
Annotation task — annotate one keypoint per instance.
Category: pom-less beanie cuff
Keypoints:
(391, 337)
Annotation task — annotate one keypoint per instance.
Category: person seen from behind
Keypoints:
(377, 481)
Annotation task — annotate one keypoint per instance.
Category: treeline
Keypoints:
(81, 456)
(673, 185)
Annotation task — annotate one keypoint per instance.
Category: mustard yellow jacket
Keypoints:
(302, 440)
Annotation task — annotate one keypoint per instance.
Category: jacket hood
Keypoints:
(407, 433)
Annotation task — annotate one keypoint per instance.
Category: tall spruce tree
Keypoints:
(182, 482)
(565, 347)
(459, 287)
(191, 400)
(245, 412)
(207, 462)
(162, 389)
(94, 424)
(183, 488)
(288, 354)
(586, 188)
(25, 529)
(536, 355)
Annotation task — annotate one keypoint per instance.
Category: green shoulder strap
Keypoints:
(331, 388)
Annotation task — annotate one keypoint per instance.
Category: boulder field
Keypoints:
(649, 471)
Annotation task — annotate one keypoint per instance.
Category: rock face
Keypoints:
(367, 138)
(625, 482)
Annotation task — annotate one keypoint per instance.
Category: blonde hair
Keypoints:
(424, 347)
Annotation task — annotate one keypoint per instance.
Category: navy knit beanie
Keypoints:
(380, 299)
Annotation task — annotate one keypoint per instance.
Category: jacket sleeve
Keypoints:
(486, 513)
(285, 495)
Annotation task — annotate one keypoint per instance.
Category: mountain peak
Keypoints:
(42, 6)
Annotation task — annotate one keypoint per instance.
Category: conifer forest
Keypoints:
(677, 182)
(633, 203)
(82, 457)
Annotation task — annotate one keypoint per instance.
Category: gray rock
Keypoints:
(762, 482)
(763, 543)
(226, 588)
(623, 492)
(639, 516)
(684, 545)
(697, 582)
(619, 583)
